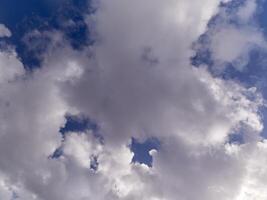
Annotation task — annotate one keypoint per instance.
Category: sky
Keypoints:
(127, 100)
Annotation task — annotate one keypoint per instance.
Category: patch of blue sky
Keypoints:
(141, 150)
(23, 16)
(236, 138)
(57, 153)
(81, 124)
(262, 16)
(78, 124)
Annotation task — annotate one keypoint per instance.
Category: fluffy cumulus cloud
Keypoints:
(135, 81)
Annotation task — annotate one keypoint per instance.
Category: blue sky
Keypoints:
(126, 100)
(43, 15)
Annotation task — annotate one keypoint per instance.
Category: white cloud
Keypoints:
(135, 81)
(4, 31)
(10, 66)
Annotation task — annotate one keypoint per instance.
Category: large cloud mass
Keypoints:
(136, 80)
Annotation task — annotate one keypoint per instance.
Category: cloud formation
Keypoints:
(4, 31)
(136, 80)
(233, 34)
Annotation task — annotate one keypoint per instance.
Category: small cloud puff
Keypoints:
(4, 31)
